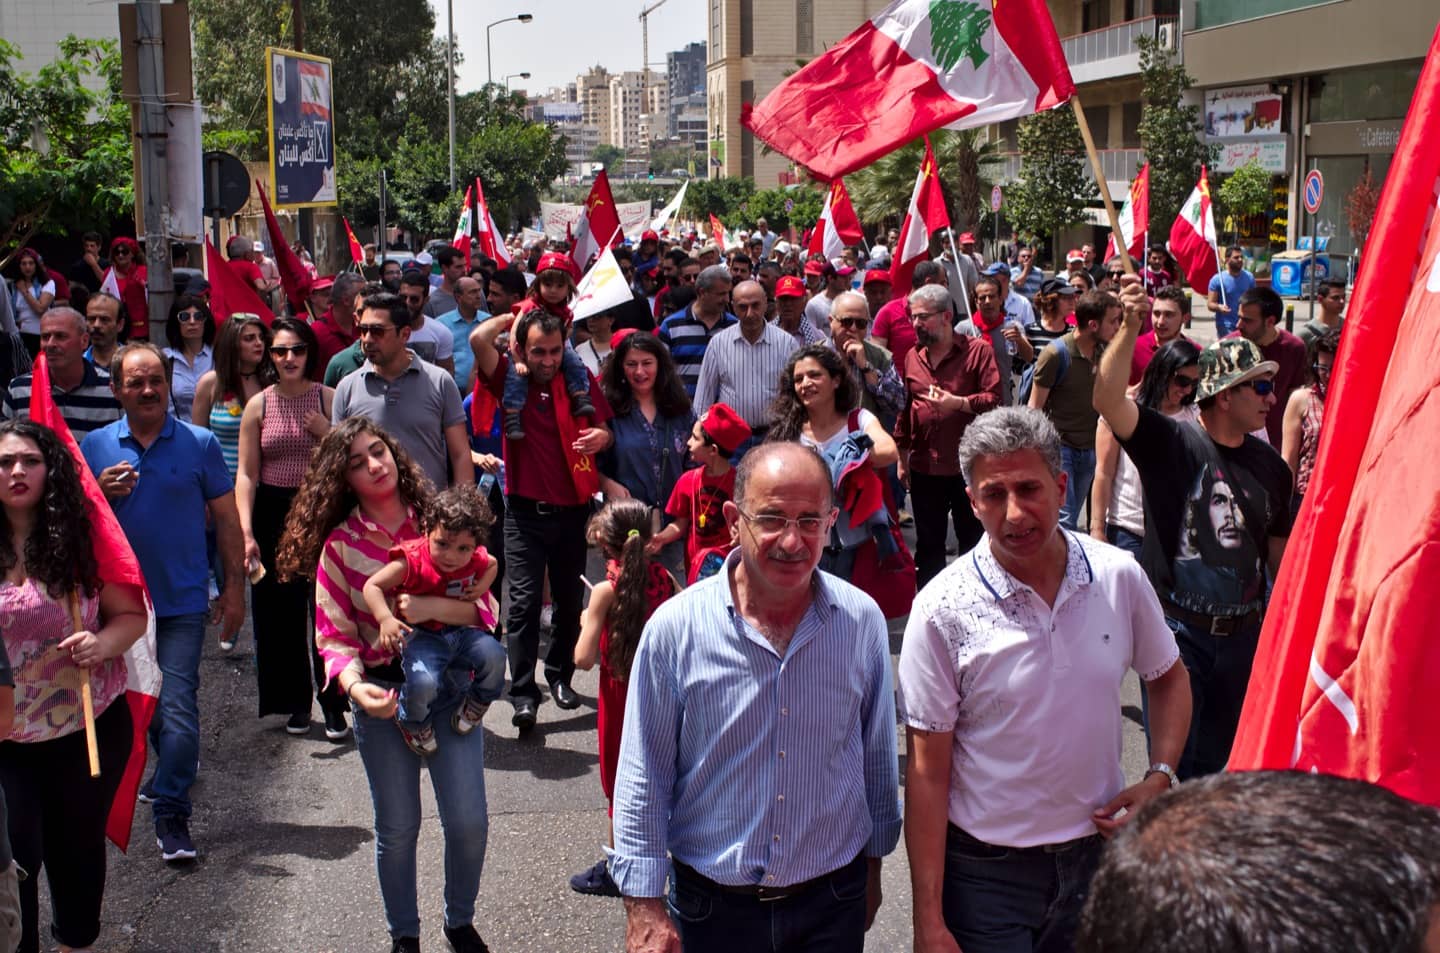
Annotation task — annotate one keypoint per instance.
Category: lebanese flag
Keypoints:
(1134, 218)
(1345, 675)
(492, 241)
(926, 214)
(228, 293)
(915, 67)
(357, 251)
(315, 89)
(295, 278)
(461, 241)
(599, 224)
(1192, 237)
(838, 225)
(117, 566)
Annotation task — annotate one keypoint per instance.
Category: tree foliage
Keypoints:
(65, 164)
(796, 206)
(1054, 188)
(881, 191)
(1360, 206)
(607, 155)
(1244, 192)
(1169, 132)
(722, 198)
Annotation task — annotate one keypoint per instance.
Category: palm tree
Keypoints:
(968, 166)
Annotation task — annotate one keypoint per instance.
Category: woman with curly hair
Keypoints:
(57, 812)
(359, 501)
(813, 406)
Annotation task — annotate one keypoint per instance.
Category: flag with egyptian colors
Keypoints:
(603, 287)
(838, 225)
(1192, 237)
(1346, 670)
(1134, 218)
(117, 566)
(927, 213)
(357, 251)
(461, 241)
(917, 66)
(492, 240)
(599, 224)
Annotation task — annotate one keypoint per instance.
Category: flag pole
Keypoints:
(87, 700)
(959, 272)
(1114, 216)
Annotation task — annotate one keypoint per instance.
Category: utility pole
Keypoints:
(306, 225)
(154, 172)
(450, 81)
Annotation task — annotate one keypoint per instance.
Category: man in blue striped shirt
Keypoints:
(759, 743)
(687, 333)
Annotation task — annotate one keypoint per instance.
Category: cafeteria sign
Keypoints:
(302, 134)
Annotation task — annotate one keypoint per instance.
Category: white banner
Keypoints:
(1270, 153)
(603, 287)
(556, 218)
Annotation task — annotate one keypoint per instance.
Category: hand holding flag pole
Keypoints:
(87, 700)
(959, 272)
(1114, 216)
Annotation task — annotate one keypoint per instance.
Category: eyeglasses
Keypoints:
(1263, 388)
(190, 317)
(854, 324)
(1120, 273)
(771, 524)
(373, 330)
(281, 350)
(924, 315)
(1185, 381)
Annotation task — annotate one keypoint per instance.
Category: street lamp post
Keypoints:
(489, 63)
(512, 76)
(450, 80)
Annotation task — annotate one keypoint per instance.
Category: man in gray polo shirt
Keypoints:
(414, 400)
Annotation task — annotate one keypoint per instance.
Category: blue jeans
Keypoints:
(574, 371)
(1007, 900)
(175, 729)
(1079, 467)
(427, 656)
(1219, 669)
(457, 773)
(829, 917)
(1126, 540)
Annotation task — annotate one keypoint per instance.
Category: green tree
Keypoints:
(789, 205)
(65, 162)
(722, 198)
(607, 155)
(1244, 192)
(667, 159)
(1169, 133)
(881, 190)
(1054, 188)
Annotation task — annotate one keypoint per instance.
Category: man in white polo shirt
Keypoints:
(1009, 687)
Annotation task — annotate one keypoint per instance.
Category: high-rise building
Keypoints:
(685, 70)
(38, 26)
(592, 92)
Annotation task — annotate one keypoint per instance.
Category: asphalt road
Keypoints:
(284, 828)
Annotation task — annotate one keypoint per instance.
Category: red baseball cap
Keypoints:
(649, 235)
(877, 276)
(1073, 254)
(323, 283)
(790, 287)
(558, 260)
(818, 266)
(967, 238)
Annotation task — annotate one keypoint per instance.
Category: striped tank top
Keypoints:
(285, 444)
(225, 425)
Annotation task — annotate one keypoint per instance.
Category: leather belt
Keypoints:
(1217, 625)
(759, 892)
(1059, 848)
(524, 504)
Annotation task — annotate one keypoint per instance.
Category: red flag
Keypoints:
(357, 251)
(228, 293)
(599, 225)
(1345, 674)
(717, 230)
(1134, 219)
(838, 225)
(294, 276)
(912, 68)
(1192, 237)
(492, 240)
(117, 566)
(927, 214)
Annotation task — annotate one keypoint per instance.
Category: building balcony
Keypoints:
(1111, 52)
(1118, 165)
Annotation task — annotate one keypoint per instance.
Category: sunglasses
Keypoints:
(120, 253)
(1185, 382)
(1261, 387)
(190, 317)
(281, 350)
(1116, 274)
(373, 330)
(854, 324)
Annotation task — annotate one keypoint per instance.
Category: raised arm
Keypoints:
(482, 342)
(1109, 396)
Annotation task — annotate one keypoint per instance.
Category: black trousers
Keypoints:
(934, 500)
(540, 537)
(57, 821)
(287, 667)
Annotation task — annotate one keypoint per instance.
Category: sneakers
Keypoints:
(405, 944)
(228, 645)
(299, 723)
(580, 405)
(514, 430)
(172, 836)
(468, 716)
(465, 939)
(147, 793)
(595, 882)
(336, 727)
(906, 519)
(419, 740)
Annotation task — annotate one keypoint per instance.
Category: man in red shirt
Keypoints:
(951, 379)
(1169, 313)
(546, 510)
(335, 327)
(239, 249)
(892, 329)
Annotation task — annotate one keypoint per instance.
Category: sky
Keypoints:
(566, 38)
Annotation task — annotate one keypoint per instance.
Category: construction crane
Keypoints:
(645, 40)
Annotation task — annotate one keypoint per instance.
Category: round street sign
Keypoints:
(1314, 191)
(995, 199)
(226, 184)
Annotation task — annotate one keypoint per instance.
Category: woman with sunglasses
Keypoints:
(1117, 504)
(281, 427)
(1305, 414)
(191, 331)
(130, 277)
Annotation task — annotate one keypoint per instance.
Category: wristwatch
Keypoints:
(1160, 767)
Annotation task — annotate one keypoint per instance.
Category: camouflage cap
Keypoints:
(1230, 361)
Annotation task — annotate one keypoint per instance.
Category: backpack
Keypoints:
(1027, 379)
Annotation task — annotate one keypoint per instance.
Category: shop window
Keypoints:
(1379, 92)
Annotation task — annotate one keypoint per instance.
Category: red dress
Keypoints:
(659, 586)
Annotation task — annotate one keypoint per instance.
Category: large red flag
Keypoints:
(228, 293)
(357, 251)
(927, 214)
(1192, 237)
(599, 225)
(117, 566)
(1134, 218)
(294, 276)
(1348, 663)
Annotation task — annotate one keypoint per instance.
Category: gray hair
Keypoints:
(932, 297)
(347, 282)
(854, 296)
(72, 314)
(239, 246)
(712, 276)
(1007, 430)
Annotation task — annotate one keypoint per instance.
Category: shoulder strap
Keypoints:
(852, 422)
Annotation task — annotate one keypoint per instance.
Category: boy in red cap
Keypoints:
(696, 506)
(551, 291)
